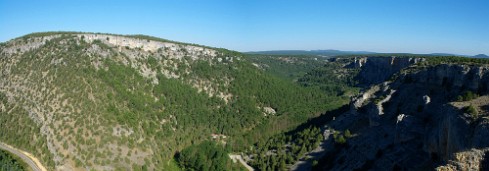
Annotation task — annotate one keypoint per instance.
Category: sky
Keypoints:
(390, 26)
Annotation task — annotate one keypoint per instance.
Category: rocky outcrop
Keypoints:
(375, 70)
(148, 45)
(23, 45)
(473, 78)
(474, 159)
(409, 122)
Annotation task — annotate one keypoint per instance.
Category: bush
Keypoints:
(472, 111)
(468, 95)
(340, 139)
(314, 163)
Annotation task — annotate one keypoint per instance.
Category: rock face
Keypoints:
(474, 159)
(375, 70)
(148, 45)
(409, 123)
(473, 78)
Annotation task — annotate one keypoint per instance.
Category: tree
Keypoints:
(282, 165)
(340, 140)
(468, 95)
(204, 156)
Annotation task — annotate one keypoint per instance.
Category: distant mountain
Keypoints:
(332, 52)
(310, 52)
(443, 54)
(480, 56)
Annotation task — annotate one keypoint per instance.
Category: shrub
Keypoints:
(468, 95)
(348, 134)
(314, 163)
(472, 111)
(340, 139)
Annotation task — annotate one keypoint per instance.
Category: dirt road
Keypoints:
(26, 157)
(235, 157)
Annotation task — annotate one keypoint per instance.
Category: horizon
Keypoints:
(416, 27)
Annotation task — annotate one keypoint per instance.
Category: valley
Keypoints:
(95, 101)
(249, 85)
(409, 108)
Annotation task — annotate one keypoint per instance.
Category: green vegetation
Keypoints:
(96, 104)
(15, 125)
(9, 162)
(332, 78)
(282, 150)
(429, 59)
(472, 111)
(378, 99)
(347, 134)
(341, 138)
(454, 60)
(287, 67)
(206, 156)
(43, 34)
(133, 109)
(467, 96)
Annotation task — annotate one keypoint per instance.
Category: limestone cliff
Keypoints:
(413, 122)
(375, 70)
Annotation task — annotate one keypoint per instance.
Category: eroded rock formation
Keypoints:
(410, 122)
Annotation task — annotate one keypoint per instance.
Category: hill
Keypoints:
(94, 101)
(289, 67)
(105, 101)
(480, 56)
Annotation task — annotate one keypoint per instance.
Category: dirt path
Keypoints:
(235, 157)
(25, 156)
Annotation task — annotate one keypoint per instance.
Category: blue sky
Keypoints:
(414, 26)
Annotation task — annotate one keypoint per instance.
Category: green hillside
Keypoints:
(98, 101)
(290, 67)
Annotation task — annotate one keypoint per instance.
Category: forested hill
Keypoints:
(290, 67)
(103, 101)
